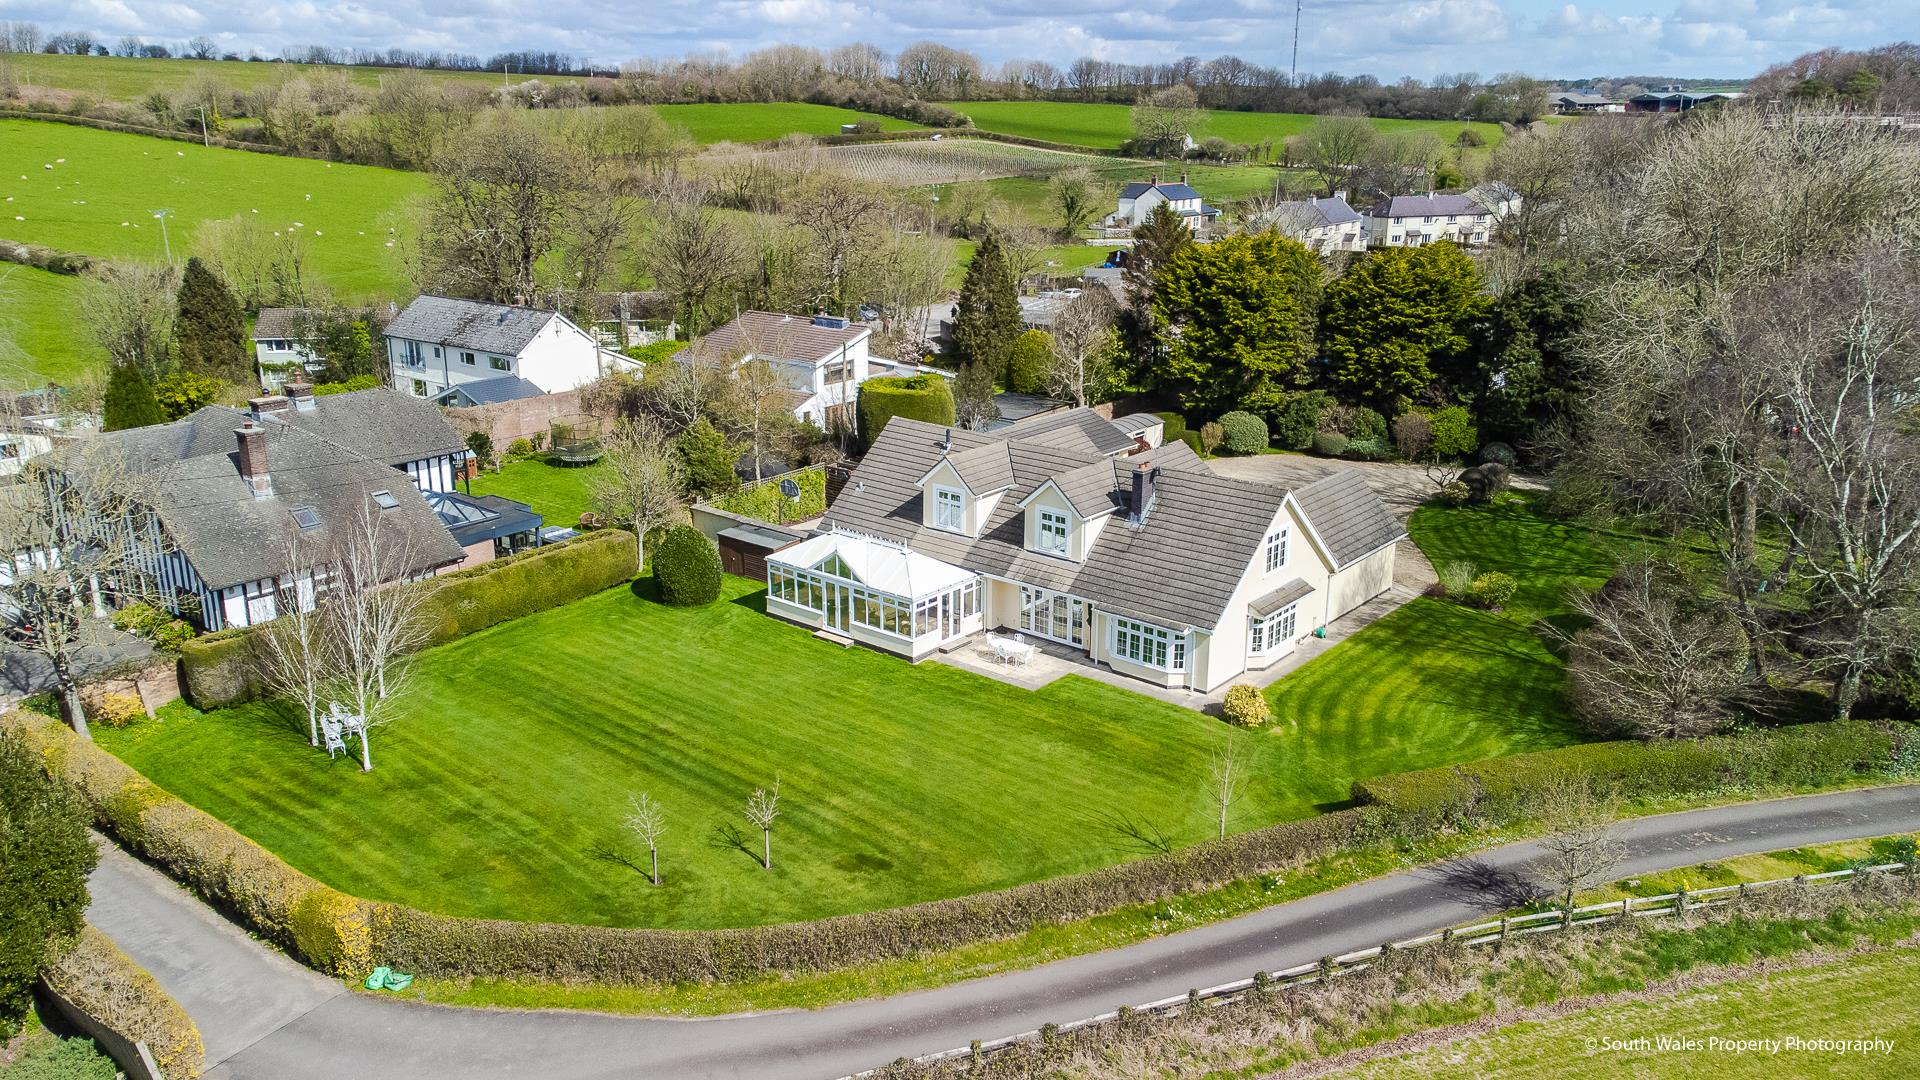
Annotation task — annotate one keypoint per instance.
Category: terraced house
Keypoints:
(1086, 532)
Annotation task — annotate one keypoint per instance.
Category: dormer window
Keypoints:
(1054, 533)
(1276, 550)
(949, 510)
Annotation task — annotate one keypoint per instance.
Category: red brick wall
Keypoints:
(509, 420)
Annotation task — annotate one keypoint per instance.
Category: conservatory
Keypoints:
(877, 592)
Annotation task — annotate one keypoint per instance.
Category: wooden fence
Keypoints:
(1483, 933)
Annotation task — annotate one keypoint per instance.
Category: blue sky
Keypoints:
(1387, 38)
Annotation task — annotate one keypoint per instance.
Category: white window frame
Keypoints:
(1146, 644)
(468, 359)
(1266, 633)
(944, 499)
(1053, 532)
(500, 363)
(1277, 549)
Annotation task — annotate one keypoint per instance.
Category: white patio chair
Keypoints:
(330, 736)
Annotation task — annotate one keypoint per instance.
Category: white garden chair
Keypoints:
(330, 735)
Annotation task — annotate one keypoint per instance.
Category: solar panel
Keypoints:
(306, 517)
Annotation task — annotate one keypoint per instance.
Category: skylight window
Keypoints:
(385, 500)
(306, 517)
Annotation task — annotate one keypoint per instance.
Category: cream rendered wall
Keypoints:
(1227, 652)
(976, 511)
(1361, 582)
(1079, 539)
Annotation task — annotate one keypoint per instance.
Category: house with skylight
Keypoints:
(1081, 531)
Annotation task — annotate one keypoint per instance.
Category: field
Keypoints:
(130, 79)
(928, 162)
(1105, 127)
(39, 336)
(500, 788)
(1858, 998)
(712, 123)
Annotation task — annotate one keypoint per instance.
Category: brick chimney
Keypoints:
(1142, 494)
(271, 405)
(300, 393)
(253, 457)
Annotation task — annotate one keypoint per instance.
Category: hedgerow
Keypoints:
(918, 397)
(222, 669)
(766, 502)
(94, 976)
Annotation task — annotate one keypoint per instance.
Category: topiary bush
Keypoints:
(116, 710)
(686, 566)
(1365, 423)
(1245, 706)
(1454, 435)
(1245, 432)
(1492, 590)
(1329, 443)
(1483, 482)
(917, 397)
(1293, 422)
(1497, 453)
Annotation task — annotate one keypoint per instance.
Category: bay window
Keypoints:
(1149, 645)
(1265, 633)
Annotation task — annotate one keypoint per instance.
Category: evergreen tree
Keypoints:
(986, 319)
(211, 333)
(1154, 242)
(129, 401)
(706, 460)
(1527, 374)
(1238, 318)
(1397, 325)
(1032, 360)
(973, 404)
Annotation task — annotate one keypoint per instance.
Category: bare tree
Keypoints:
(841, 218)
(762, 807)
(504, 189)
(1226, 781)
(1084, 347)
(1650, 664)
(130, 309)
(1335, 147)
(375, 618)
(759, 406)
(78, 536)
(1583, 849)
(647, 820)
(296, 650)
(639, 482)
(694, 256)
(1164, 119)
(1545, 171)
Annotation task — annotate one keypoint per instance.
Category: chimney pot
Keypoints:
(253, 458)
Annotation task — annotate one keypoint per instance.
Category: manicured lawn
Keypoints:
(500, 789)
(559, 493)
(1484, 678)
(109, 178)
(1859, 998)
(758, 122)
(1107, 126)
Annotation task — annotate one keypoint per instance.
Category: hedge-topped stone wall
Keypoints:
(221, 669)
(118, 1004)
(345, 935)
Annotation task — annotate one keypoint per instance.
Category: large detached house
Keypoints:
(1077, 530)
(1138, 199)
(236, 489)
(821, 360)
(447, 349)
(1413, 220)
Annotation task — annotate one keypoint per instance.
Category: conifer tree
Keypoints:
(129, 401)
(211, 333)
(986, 320)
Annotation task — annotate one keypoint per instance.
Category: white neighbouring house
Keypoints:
(439, 344)
(1324, 225)
(1074, 529)
(821, 360)
(1413, 220)
(1138, 199)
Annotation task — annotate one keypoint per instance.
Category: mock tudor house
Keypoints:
(821, 360)
(1078, 530)
(236, 488)
(439, 344)
(1138, 199)
(1413, 220)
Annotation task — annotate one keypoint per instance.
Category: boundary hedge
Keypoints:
(920, 397)
(1500, 790)
(345, 935)
(98, 980)
(220, 669)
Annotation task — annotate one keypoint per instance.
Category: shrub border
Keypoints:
(344, 935)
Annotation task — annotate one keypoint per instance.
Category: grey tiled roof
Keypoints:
(293, 323)
(1090, 488)
(488, 391)
(469, 324)
(771, 336)
(1349, 516)
(1174, 192)
(1072, 429)
(210, 513)
(983, 469)
(382, 424)
(1286, 594)
(1426, 206)
(1178, 568)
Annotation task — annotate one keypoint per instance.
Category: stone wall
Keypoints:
(506, 421)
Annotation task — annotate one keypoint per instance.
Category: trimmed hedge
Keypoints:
(96, 978)
(1506, 789)
(686, 565)
(765, 502)
(917, 397)
(328, 929)
(221, 669)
